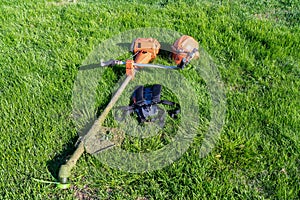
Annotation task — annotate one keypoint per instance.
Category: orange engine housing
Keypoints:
(145, 49)
(182, 46)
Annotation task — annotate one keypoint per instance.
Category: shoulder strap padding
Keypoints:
(156, 92)
(139, 96)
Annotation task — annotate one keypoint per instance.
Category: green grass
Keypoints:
(255, 46)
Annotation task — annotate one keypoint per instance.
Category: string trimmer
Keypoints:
(145, 50)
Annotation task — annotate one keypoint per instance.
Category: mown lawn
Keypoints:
(255, 46)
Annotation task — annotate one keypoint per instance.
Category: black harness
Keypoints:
(144, 102)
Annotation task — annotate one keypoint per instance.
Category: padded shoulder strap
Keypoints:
(139, 96)
(156, 91)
